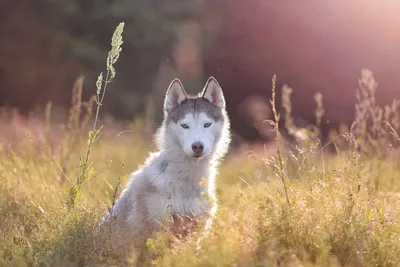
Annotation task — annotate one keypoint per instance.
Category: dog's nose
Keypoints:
(197, 147)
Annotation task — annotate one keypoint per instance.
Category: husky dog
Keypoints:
(179, 179)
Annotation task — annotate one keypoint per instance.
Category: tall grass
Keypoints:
(306, 204)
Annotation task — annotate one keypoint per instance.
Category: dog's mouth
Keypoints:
(199, 156)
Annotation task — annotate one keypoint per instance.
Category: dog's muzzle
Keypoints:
(197, 148)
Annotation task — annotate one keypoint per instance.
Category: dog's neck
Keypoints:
(187, 168)
(179, 157)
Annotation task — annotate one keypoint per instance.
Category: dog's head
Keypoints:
(198, 125)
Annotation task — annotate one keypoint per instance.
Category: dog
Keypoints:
(177, 181)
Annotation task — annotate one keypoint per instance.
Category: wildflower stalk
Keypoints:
(116, 191)
(87, 170)
(287, 106)
(278, 141)
(319, 111)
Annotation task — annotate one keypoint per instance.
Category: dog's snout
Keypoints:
(197, 147)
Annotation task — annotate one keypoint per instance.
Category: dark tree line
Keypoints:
(46, 44)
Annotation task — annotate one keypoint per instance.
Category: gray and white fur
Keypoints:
(192, 140)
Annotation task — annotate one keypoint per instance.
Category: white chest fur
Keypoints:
(180, 188)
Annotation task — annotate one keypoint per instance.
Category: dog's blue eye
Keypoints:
(208, 124)
(184, 126)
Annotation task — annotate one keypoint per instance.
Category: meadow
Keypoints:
(301, 202)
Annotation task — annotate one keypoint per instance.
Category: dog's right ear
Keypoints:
(176, 94)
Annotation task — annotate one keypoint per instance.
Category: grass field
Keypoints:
(342, 206)
(304, 204)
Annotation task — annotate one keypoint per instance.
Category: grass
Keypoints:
(308, 204)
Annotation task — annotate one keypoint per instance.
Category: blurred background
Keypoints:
(312, 46)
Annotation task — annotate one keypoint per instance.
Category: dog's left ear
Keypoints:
(213, 93)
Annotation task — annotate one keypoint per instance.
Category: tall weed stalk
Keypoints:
(85, 164)
(275, 124)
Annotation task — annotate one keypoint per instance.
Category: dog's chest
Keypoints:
(183, 191)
